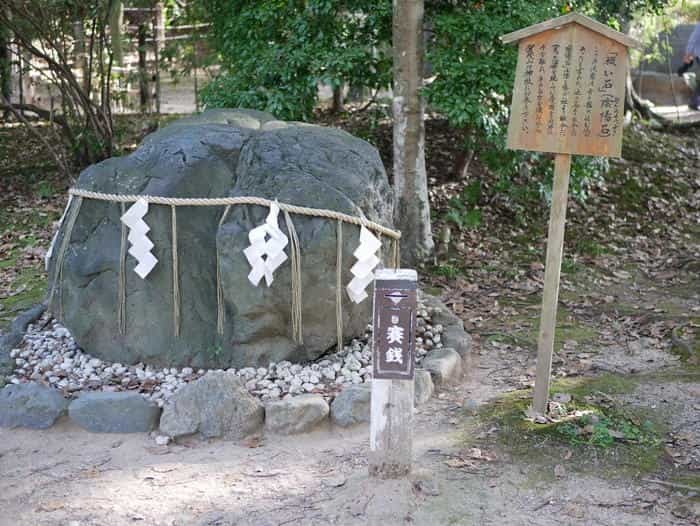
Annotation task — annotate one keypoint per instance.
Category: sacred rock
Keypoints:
(219, 153)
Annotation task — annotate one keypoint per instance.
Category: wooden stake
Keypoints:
(550, 296)
(391, 428)
(391, 421)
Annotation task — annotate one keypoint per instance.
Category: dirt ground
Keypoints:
(66, 476)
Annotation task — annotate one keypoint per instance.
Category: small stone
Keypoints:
(30, 405)
(296, 415)
(162, 440)
(119, 412)
(471, 407)
(216, 405)
(352, 363)
(351, 406)
(424, 387)
(444, 365)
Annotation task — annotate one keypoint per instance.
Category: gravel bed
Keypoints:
(48, 354)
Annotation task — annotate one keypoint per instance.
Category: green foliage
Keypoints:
(603, 431)
(181, 57)
(473, 82)
(276, 52)
(446, 270)
(473, 69)
(462, 210)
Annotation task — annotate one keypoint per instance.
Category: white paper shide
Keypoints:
(266, 251)
(141, 246)
(363, 269)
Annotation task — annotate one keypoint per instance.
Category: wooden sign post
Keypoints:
(393, 348)
(568, 99)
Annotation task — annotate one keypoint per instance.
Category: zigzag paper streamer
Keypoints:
(363, 270)
(140, 244)
(266, 251)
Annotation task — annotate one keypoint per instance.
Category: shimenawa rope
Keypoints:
(245, 200)
(173, 202)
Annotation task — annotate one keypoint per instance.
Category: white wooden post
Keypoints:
(391, 423)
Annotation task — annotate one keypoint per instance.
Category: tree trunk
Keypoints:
(5, 67)
(337, 99)
(159, 45)
(116, 20)
(410, 181)
(144, 95)
(81, 58)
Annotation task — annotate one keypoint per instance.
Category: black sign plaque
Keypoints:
(394, 340)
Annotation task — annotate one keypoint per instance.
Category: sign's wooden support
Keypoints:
(568, 99)
(550, 295)
(391, 421)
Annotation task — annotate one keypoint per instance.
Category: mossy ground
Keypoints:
(635, 447)
(26, 279)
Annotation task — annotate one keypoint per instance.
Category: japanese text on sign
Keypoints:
(394, 329)
(569, 93)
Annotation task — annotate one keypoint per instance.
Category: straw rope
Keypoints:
(295, 257)
(245, 200)
(295, 254)
(339, 287)
(220, 309)
(176, 273)
(121, 314)
(58, 278)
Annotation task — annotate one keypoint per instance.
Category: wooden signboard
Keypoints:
(568, 99)
(394, 324)
(391, 418)
(569, 93)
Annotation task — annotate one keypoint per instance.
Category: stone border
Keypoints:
(111, 412)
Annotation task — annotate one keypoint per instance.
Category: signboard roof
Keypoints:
(577, 18)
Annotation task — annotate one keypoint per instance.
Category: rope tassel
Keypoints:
(220, 308)
(176, 274)
(121, 314)
(58, 278)
(339, 287)
(296, 280)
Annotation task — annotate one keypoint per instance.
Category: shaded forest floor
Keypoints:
(627, 362)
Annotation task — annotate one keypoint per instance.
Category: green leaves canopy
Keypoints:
(276, 52)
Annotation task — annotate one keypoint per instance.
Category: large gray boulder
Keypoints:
(216, 405)
(124, 412)
(30, 405)
(217, 154)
